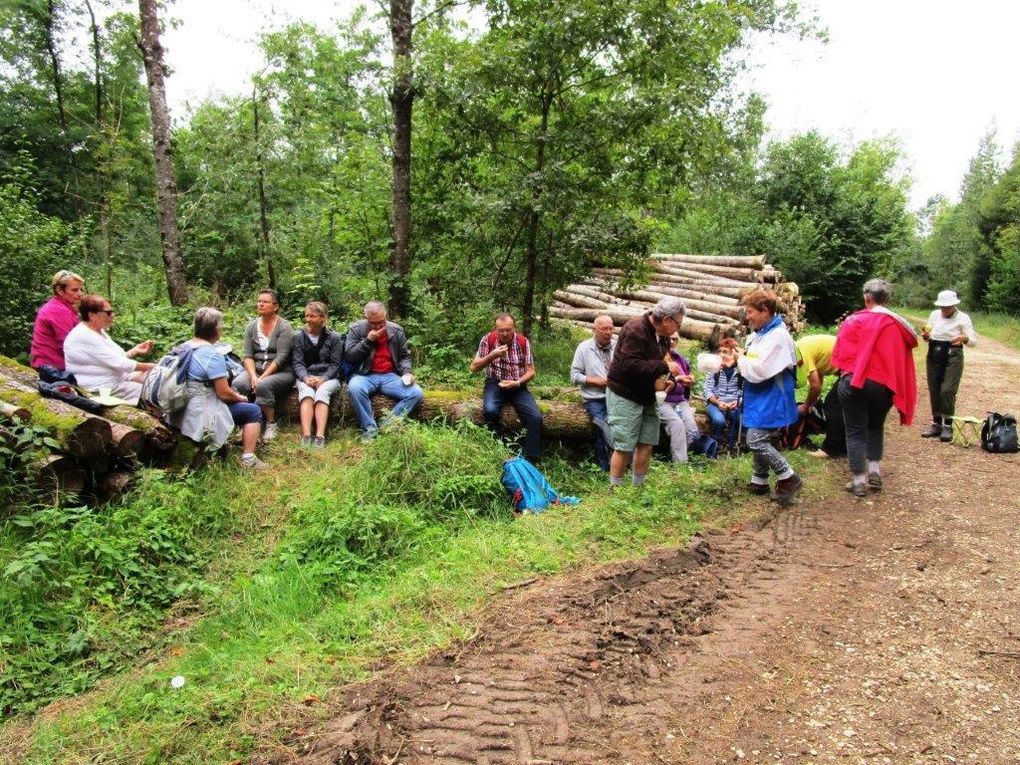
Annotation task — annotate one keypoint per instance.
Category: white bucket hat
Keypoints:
(946, 298)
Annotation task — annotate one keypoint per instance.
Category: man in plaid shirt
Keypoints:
(505, 355)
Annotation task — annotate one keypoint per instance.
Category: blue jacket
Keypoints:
(771, 403)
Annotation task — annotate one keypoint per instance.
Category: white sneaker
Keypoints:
(252, 463)
(271, 432)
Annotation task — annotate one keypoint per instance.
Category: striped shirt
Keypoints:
(727, 388)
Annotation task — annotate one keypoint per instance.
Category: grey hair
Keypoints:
(669, 306)
(879, 289)
(374, 305)
(207, 321)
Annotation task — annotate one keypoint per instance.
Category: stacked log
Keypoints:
(90, 453)
(710, 286)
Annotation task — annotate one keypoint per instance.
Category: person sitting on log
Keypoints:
(318, 354)
(379, 352)
(723, 392)
(267, 376)
(814, 363)
(676, 411)
(588, 370)
(639, 364)
(55, 320)
(768, 366)
(98, 363)
(214, 408)
(505, 355)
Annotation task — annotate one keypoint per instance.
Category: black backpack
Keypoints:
(998, 434)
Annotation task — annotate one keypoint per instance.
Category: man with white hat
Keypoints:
(947, 331)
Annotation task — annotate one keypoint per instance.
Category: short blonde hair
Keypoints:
(318, 308)
(63, 277)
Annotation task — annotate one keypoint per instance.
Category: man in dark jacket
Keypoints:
(640, 362)
(378, 350)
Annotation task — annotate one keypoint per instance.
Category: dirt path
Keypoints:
(843, 631)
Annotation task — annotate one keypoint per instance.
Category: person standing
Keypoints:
(874, 353)
(505, 355)
(947, 331)
(381, 357)
(268, 376)
(588, 370)
(55, 320)
(637, 372)
(768, 365)
(814, 364)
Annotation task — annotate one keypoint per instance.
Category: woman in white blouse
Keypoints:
(947, 331)
(96, 361)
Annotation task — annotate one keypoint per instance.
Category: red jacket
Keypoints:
(878, 346)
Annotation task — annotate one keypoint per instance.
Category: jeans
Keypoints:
(599, 414)
(361, 388)
(244, 413)
(493, 399)
(764, 456)
(864, 411)
(726, 436)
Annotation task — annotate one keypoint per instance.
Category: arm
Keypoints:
(485, 357)
(225, 393)
(969, 335)
(578, 375)
(284, 346)
(359, 347)
(814, 391)
(298, 352)
(336, 357)
(773, 357)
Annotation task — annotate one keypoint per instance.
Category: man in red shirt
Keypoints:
(55, 319)
(378, 350)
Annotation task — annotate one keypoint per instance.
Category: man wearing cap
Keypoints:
(947, 331)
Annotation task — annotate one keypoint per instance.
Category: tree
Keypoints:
(570, 126)
(1000, 227)
(402, 102)
(831, 225)
(166, 185)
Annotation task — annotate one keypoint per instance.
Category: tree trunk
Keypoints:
(80, 434)
(166, 185)
(735, 261)
(49, 22)
(261, 187)
(402, 102)
(534, 220)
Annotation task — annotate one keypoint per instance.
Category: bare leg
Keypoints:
(321, 418)
(269, 412)
(618, 464)
(642, 456)
(307, 409)
(250, 436)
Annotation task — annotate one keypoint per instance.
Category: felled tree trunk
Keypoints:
(80, 434)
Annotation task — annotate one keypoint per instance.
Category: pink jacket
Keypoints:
(877, 345)
(54, 320)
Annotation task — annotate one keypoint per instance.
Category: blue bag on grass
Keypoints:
(528, 489)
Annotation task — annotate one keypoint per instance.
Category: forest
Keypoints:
(452, 169)
(452, 159)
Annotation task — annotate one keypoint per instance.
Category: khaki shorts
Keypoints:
(632, 423)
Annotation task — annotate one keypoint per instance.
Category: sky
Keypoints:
(934, 75)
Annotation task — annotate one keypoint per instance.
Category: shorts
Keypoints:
(632, 423)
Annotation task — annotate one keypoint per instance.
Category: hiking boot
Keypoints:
(252, 463)
(786, 490)
(306, 441)
(271, 432)
(760, 489)
(318, 442)
(819, 454)
(857, 489)
(875, 481)
(932, 431)
(947, 433)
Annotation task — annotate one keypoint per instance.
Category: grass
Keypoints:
(326, 566)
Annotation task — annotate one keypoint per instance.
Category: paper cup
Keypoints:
(709, 363)
(660, 396)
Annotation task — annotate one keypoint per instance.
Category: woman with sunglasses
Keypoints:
(97, 362)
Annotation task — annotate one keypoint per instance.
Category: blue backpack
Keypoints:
(529, 491)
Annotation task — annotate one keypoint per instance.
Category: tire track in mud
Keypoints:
(561, 670)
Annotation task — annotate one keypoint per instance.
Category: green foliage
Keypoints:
(1000, 225)
(33, 246)
(20, 445)
(80, 585)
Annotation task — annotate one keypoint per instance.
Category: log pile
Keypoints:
(711, 287)
(96, 454)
